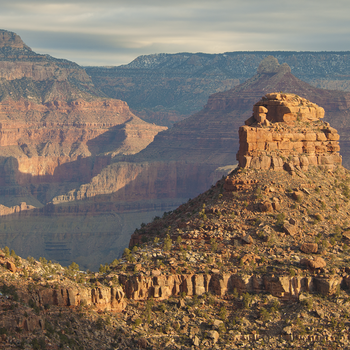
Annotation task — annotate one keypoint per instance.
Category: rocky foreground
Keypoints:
(259, 261)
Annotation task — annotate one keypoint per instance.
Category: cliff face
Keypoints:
(261, 255)
(274, 77)
(57, 132)
(265, 143)
(51, 114)
(80, 160)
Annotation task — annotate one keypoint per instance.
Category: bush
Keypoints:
(214, 245)
(38, 343)
(138, 321)
(167, 243)
(223, 313)
(74, 266)
(9, 290)
(247, 300)
(7, 251)
(280, 219)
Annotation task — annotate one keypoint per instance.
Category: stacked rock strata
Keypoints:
(285, 132)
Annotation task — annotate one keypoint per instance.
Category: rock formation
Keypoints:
(72, 154)
(57, 132)
(285, 131)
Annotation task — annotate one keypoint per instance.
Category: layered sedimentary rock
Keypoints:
(57, 132)
(285, 131)
(161, 286)
(101, 298)
(51, 114)
(68, 152)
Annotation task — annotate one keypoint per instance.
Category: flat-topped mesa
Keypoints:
(285, 132)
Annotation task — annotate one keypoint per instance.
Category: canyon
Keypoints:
(57, 131)
(80, 172)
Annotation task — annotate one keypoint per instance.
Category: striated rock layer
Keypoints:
(285, 131)
(58, 132)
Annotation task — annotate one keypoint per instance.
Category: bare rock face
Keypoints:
(285, 131)
(53, 119)
(58, 132)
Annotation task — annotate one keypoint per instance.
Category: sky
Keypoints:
(114, 32)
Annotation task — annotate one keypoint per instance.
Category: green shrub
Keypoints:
(74, 266)
(280, 219)
(223, 313)
(7, 251)
(214, 245)
(167, 243)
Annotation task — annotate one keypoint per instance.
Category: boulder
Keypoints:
(309, 248)
(11, 266)
(214, 335)
(290, 229)
(266, 206)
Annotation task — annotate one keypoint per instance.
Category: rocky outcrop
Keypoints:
(101, 298)
(285, 132)
(161, 287)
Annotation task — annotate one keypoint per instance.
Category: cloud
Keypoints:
(116, 31)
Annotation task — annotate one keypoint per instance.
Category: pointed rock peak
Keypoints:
(270, 65)
(10, 39)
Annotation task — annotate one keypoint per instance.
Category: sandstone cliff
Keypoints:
(57, 132)
(181, 161)
(91, 184)
(266, 143)
(51, 114)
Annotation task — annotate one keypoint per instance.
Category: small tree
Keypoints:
(7, 251)
(223, 313)
(74, 266)
(178, 240)
(167, 243)
(214, 245)
(13, 254)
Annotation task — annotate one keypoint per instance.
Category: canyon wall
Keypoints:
(58, 132)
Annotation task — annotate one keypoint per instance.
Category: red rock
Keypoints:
(290, 229)
(309, 248)
(266, 206)
(11, 266)
(317, 263)
(259, 145)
